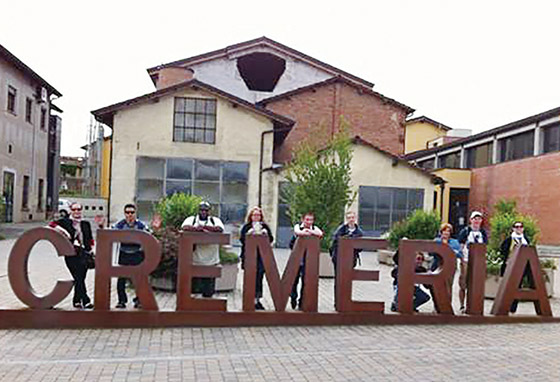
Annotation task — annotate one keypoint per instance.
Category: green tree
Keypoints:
(175, 208)
(318, 180)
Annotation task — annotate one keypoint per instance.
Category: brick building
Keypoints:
(519, 160)
(229, 119)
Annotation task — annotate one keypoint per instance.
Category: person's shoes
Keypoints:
(462, 310)
(299, 305)
(88, 306)
(137, 305)
(77, 305)
(121, 305)
(259, 306)
(293, 302)
(393, 307)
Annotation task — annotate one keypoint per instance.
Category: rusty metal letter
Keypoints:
(280, 288)
(18, 268)
(186, 271)
(510, 290)
(476, 278)
(408, 277)
(345, 274)
(104, 269)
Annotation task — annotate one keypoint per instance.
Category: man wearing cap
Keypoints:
(473, 233)
(208, 254)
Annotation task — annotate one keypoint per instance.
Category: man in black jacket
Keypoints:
(79, 233)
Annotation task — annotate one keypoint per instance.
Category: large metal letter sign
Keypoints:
(17, 268)
(476, 277)
(104, 268)
(510, 288)
(408, 277)
(186, 272)
(305, 247)
(345, 274)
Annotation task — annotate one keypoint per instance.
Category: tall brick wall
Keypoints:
(533, 182)
(317, 112)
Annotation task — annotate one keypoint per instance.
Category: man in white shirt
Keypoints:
(305, 228)
(208, 254)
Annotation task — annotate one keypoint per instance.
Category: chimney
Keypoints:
(173, 75)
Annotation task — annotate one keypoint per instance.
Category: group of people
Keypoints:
(79, 232)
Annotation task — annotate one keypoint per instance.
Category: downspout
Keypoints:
(442, 188)
(261, 157)
(110, 178)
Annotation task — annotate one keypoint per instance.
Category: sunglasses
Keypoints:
(518, 226)
(76, 209)
(130, 212)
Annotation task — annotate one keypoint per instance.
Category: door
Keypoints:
(8, 195)
(458, 208)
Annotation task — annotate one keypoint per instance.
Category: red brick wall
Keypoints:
(533, 182)
(318, 112)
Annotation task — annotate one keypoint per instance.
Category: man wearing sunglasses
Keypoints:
(129, 253)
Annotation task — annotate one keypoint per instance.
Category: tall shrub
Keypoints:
(318, 180)
(420, 225)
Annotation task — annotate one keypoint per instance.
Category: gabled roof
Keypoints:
(8, 56)
(337, 79)
(105, 114)
(250, 44)
(485, 134)
(424, 119)
(397, 159)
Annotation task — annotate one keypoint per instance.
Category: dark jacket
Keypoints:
(464, 234)
(130, 248)
(243, 236)
(344, 231)
(504, 252)
(87, 236)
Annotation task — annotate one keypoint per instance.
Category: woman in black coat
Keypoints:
(255, 225)
(79, 233)
(508, 247)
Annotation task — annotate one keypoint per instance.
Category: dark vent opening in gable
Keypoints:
(261, 71)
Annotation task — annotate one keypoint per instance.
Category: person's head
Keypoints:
(76, 210)
(517, 227)
(255, 215)
(351, 218)
(446, 230)
(130, 213)
(419, 259)
(476, 220)
(308, 219)
(204, 210)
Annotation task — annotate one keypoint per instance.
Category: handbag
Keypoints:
(89, 259)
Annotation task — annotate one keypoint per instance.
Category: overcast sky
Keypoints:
(474, 65)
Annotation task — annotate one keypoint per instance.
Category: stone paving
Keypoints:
(355, 353)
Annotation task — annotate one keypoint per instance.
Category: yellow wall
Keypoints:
(455, 178)
(373, 168)
(105, 167)
(417, 134)
(147, 130)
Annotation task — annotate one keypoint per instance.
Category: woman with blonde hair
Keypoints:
(255, 225)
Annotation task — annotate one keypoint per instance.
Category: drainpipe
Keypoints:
(442, 188)
(261, 157)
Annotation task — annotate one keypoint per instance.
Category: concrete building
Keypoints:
(222, 124)
(520, 160)
(25, 134)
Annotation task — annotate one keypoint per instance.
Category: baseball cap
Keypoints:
(475, 214)
(204, 205)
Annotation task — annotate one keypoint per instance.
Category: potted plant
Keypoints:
(505, 214)
(420, 225)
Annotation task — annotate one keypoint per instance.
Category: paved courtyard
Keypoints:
(359, 353)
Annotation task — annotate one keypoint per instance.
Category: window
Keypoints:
(517, 146)
(194, 120)
(381, 207)
(551, 139)
(40, 195)
(479, 156)
(25, 195)
(29, 110)
(223, 184)
(427, 164)
(12, 93)
(452, 160)
(43, 124)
